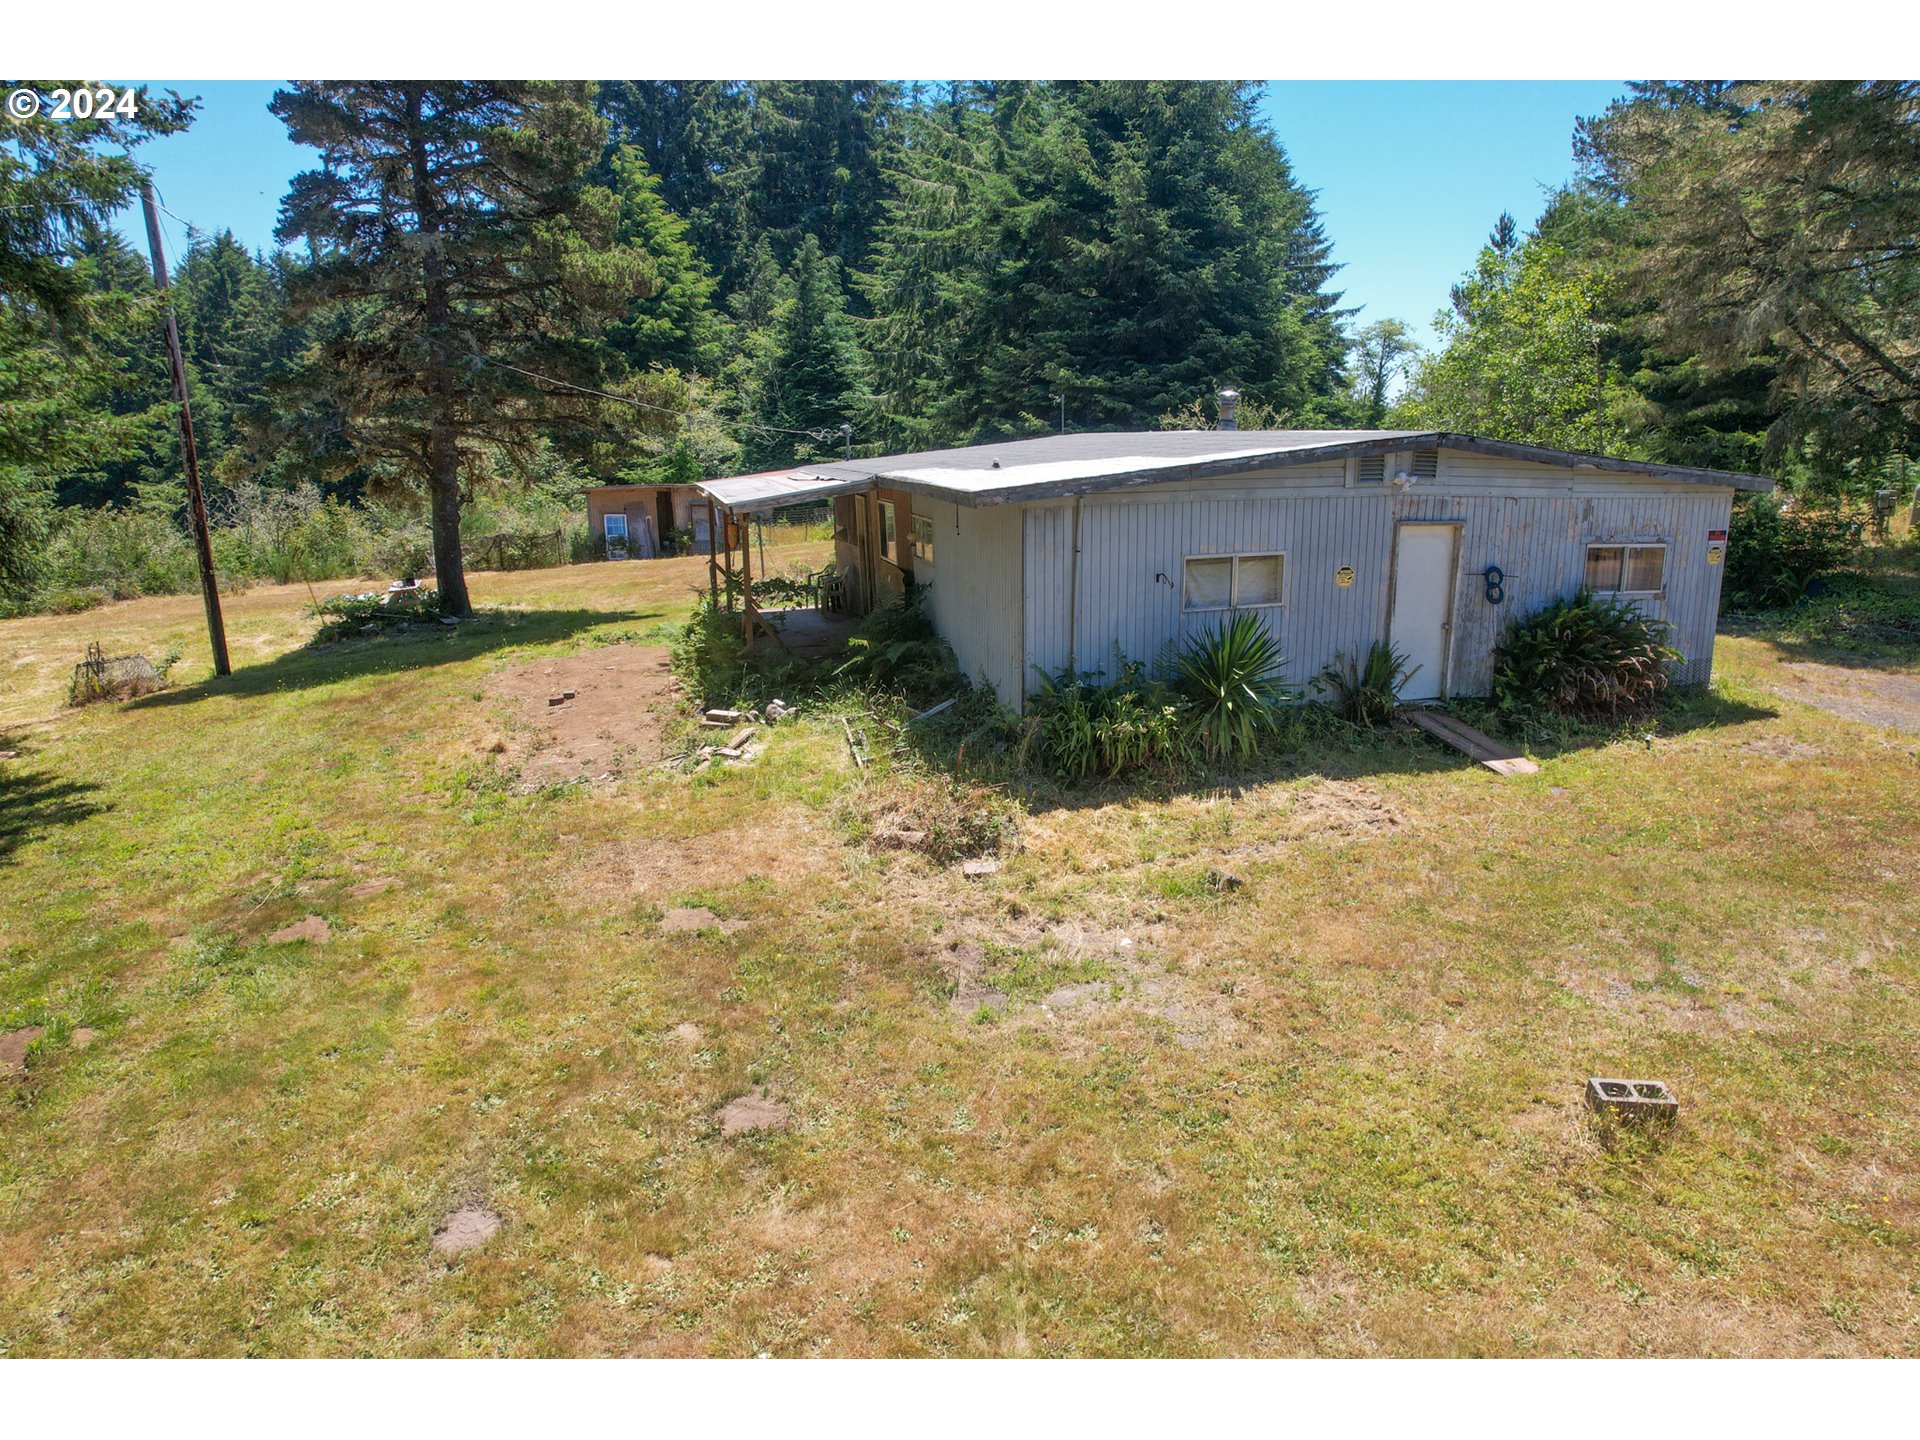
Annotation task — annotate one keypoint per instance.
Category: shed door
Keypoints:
(1421, 626)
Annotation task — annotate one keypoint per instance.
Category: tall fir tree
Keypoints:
(470, 269)
(675, 323)
(812, 376)
(1130, 245)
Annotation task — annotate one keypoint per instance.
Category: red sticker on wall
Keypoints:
(1713, 535)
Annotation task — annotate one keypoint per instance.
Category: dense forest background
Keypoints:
(659, 281)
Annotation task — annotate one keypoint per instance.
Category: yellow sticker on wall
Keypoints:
(1714, 552)
(1343, 577)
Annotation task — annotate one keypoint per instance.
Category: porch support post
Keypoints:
(713, 562)
(746, 582)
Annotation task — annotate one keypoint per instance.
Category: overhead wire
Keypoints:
(823, 436)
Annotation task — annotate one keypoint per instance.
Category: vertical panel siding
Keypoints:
(1533, 521)
(973, 588)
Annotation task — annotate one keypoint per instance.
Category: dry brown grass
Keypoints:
(1334, 1110)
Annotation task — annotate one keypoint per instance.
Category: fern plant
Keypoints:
(1367, 691)
(1583, 656)
(1231, 673)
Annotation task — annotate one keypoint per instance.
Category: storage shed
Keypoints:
(1067, 551)
(640, 520)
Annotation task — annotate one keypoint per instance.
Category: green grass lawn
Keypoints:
(1335, 1109)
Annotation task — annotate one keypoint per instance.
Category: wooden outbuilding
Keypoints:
(642, 522)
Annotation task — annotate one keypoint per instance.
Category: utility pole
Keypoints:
(196, 497)
(1062, 398)
(846, 439)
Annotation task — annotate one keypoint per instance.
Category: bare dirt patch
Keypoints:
(688, 920)
(621, 697)
(467, 1228)
(964, 962)
(1873, 697)
(1779, 747)
(751, 1113)
(312, 929)
(783, 843)
(367, 889)
(13, 1048)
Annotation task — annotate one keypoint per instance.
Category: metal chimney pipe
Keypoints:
(1229, 403)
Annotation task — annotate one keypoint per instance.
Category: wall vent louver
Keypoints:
(1371, 469)
(1426, 465)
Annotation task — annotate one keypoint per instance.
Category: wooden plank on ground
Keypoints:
(1471, 743)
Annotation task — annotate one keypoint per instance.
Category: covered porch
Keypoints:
(735, 509)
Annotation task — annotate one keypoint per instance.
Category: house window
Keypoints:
(886, 530)
(1232, 582)
(616, 527)
(1627, 569)
(923, 539)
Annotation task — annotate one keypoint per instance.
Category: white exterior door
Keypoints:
(1421, 626)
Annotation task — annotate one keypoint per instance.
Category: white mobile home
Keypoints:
(1055, 553)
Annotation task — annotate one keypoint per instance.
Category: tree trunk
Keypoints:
(443, 445)
(449, 571)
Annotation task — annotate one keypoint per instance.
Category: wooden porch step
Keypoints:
(1471, 743)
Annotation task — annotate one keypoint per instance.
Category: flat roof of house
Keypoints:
(1052, 466)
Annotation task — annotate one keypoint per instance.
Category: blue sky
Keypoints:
(1411, 174)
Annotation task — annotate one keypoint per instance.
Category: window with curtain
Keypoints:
(1626, 569)
(1232, 582)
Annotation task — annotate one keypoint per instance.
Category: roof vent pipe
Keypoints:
(1229, 403)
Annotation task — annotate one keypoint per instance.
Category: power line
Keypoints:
(822, 436)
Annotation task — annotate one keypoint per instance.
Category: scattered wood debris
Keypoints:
(856, 743)
(929, 712)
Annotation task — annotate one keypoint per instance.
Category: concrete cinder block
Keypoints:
(1634, 1101)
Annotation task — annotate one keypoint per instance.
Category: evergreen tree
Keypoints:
(1128, 244)
(469, 266)
(931, 262)
(61, 181)
(1775, 223)
(675, 323)
(812, 376)
(777, 160)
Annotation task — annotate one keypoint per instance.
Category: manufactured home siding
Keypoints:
(1532, 521)
(973, 588)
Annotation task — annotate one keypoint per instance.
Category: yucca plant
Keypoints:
(1583, 656)
(1367, 692)
(1231, 673)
